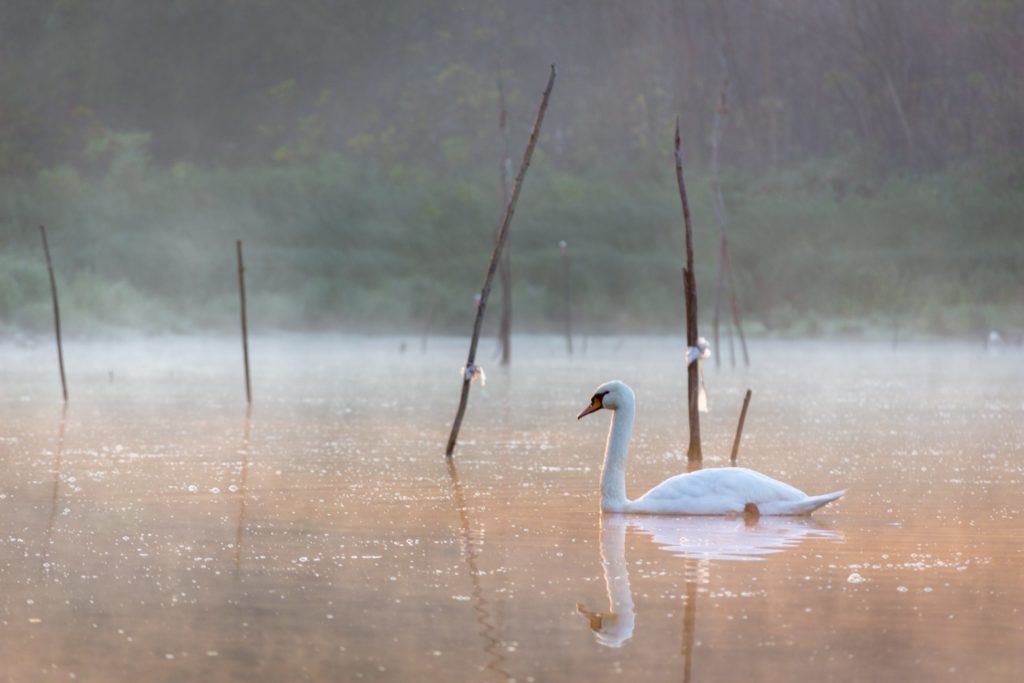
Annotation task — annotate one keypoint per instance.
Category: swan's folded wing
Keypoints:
(689, 495)
(716, 491)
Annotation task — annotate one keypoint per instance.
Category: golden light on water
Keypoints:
(155, 532)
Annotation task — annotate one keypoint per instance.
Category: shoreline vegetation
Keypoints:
(871, 159)
(340, 246)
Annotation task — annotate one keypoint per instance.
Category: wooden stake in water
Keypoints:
(56, 312)
(505, 264)
(563, 249)
(739, 429)
(694, 452)
(485, 291)
(245, 326)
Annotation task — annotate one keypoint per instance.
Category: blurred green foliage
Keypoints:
(342, 245)
(873, 161)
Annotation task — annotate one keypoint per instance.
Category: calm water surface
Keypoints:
(155, 531)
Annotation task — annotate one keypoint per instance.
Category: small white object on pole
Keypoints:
(700, 353)
(474, 372)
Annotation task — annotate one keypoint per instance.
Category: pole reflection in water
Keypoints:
(689, 618)
(690, 570)
(470, 553)
(58, 462)
(243, 477)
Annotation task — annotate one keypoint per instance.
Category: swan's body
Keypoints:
(721, 491)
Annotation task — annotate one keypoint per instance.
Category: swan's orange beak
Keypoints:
(594, 406)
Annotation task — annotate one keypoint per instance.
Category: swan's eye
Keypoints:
(598, 399)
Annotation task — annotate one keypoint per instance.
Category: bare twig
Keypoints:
(739, 429)
(245, 326)
(485, 291)
(56, 312)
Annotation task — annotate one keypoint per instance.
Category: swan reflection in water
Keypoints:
(699, 540)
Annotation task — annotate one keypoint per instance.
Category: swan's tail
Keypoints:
(807, 505)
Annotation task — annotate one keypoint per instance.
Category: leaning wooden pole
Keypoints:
(739, 429)
(56, 313)
(245, 325)
(505, 264)
(470, 370)
(693, 453)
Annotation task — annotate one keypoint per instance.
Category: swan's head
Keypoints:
(610, 629)
(611, 395)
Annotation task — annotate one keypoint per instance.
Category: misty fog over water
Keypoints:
(246, 242)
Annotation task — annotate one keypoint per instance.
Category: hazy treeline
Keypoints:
(872, 151)
(232, 82)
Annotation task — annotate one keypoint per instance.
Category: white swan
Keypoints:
(721, 491)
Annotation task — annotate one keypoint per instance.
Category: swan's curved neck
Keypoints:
(613, 473)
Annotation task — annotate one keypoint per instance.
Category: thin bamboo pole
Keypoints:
(737, 319)
(245, 325)
(56, 313)
(563, 249)
(694, 452)
(716, 196)
(739, 429)
(719, 287)
(485, 291)
(505, 264)
(724, 279)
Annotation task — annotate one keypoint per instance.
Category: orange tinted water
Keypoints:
(155, 532)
